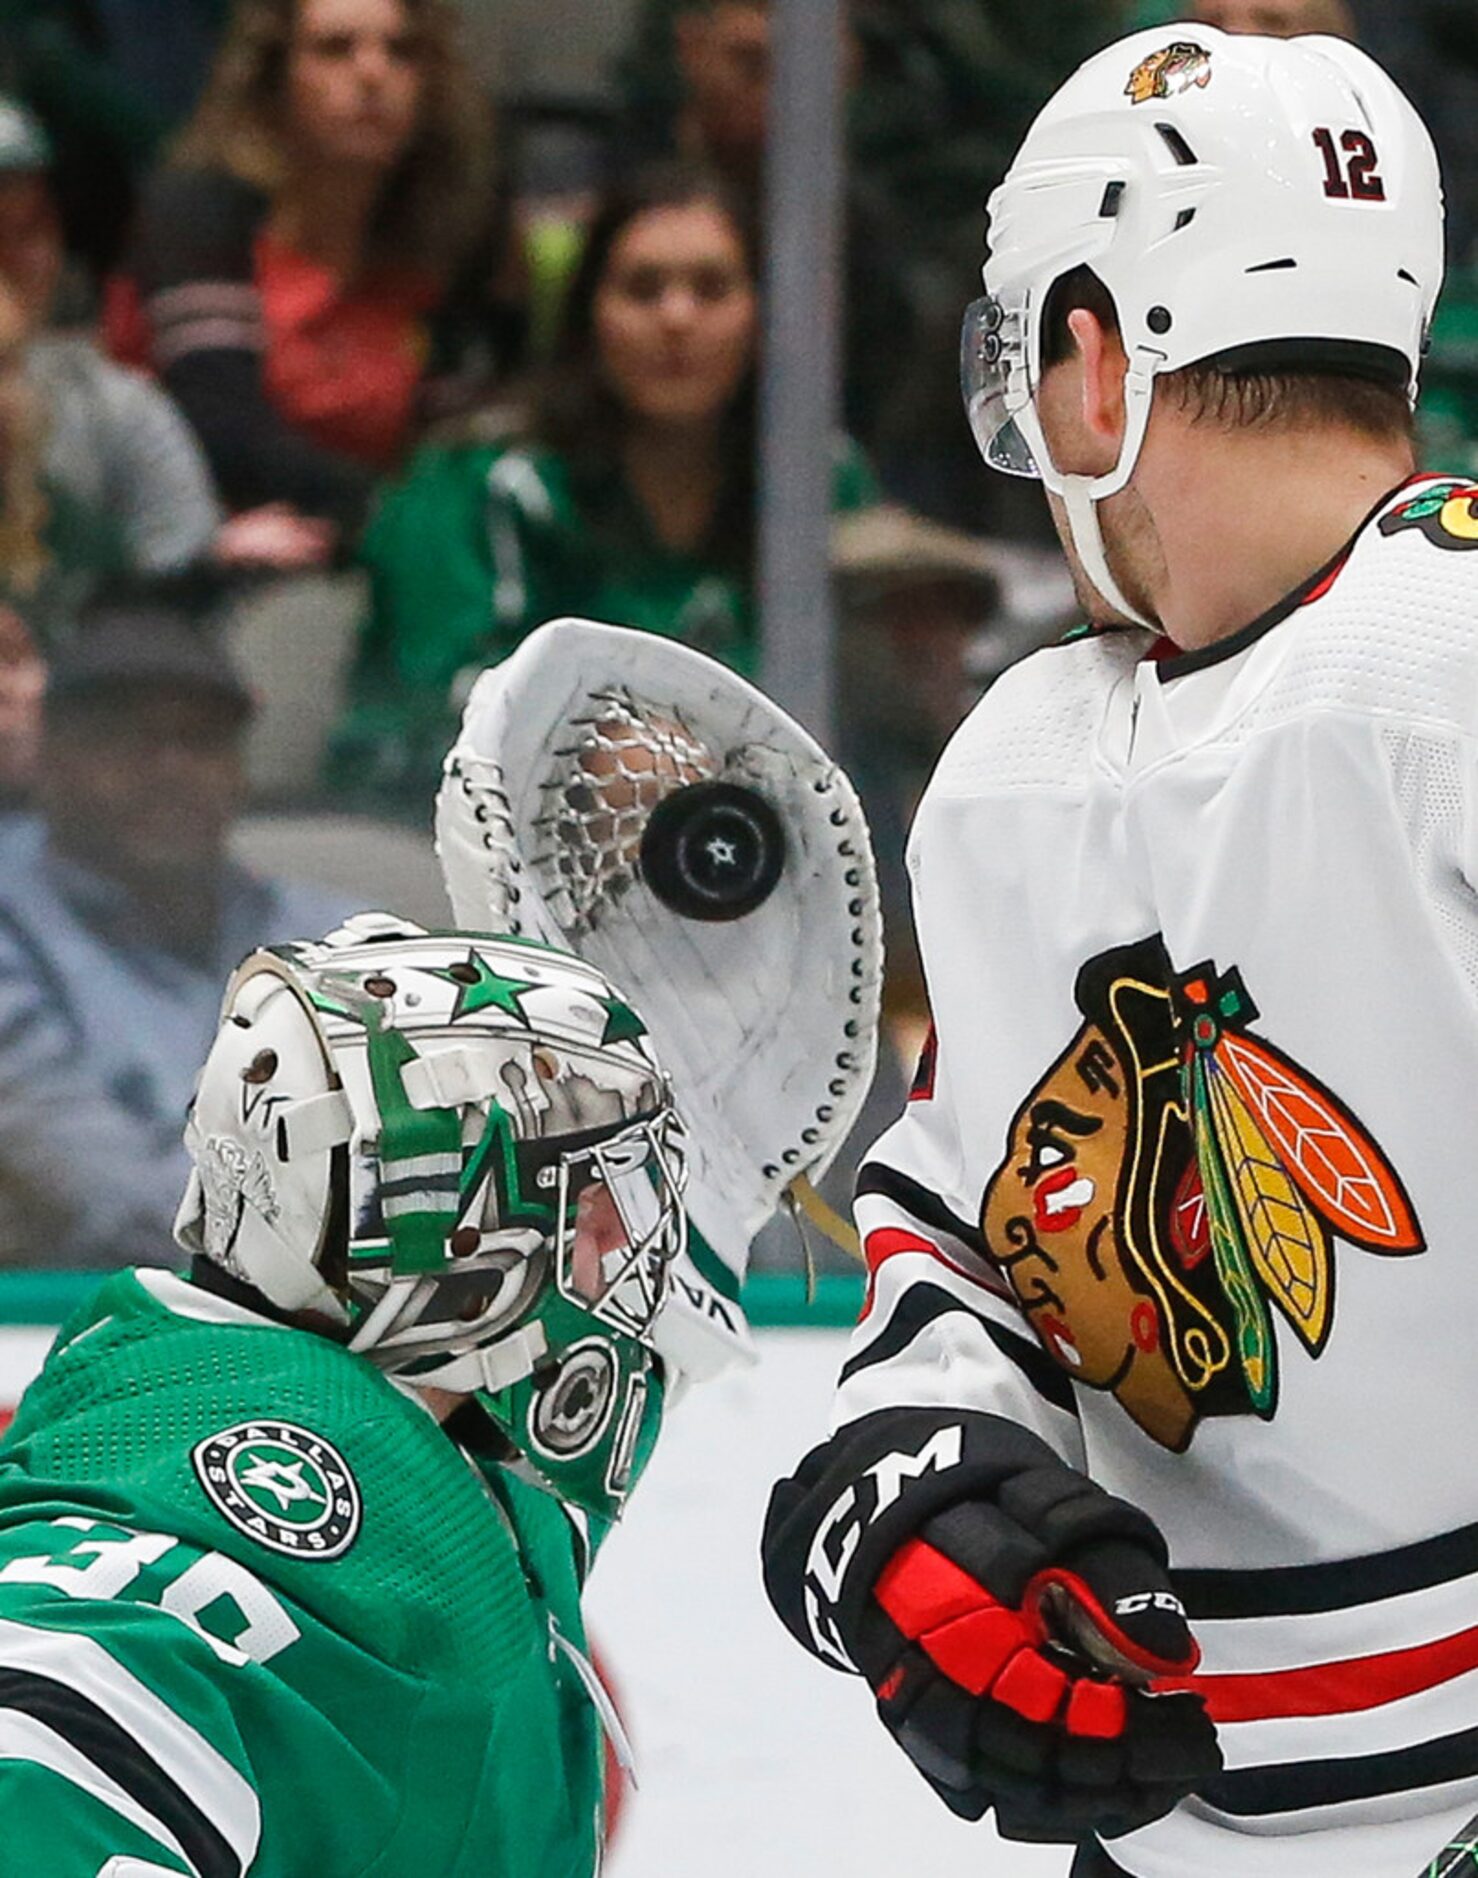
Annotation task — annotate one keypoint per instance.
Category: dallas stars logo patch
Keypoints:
(281, 1485)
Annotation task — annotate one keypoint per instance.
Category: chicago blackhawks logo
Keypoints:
(1174, 1180)
(1173, 69)
(1446, 513)
(286, 1488)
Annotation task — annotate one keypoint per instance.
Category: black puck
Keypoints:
(713, 851)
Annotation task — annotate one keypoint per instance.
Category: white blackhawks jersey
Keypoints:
(1189, 1186)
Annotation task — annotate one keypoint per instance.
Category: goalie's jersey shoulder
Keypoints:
(218, 1530)
(155, 1392)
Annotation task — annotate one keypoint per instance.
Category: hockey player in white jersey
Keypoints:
(1149, 1510)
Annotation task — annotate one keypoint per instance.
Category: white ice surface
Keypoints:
(754, 1760)
(22, 1352)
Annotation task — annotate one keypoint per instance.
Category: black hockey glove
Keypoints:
(1010, 1615)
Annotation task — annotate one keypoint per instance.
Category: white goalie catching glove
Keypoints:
(638, 803)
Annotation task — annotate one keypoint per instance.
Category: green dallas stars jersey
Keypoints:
(258, 1614)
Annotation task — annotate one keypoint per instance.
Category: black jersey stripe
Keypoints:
(1299, 1786)
(1340, 1584)
(922, 1304)
(126, 1762)
(926, 1207)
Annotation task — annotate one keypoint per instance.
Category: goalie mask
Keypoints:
(462, 1152)
(633, 799)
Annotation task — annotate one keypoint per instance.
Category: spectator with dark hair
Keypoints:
(294, 273)
(631, 498)
(110, 79)
(940, 91)
(120, 912)
(711, 106)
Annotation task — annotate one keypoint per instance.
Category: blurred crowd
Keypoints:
(342, 342)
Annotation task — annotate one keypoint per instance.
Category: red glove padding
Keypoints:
(1011, 1616)
(1013, 1655)
(1036, 1697)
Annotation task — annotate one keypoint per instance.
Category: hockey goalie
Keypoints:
(292, 1546)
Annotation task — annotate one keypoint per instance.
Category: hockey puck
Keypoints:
(713, 851)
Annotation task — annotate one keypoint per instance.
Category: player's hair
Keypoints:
(435, 202)
(573, 408)
(1361, 395)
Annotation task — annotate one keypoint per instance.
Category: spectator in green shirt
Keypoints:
(940, 95)
(629, 497)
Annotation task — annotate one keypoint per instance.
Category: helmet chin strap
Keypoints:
(1081, 495)
(1082, 517)
(495, 1367)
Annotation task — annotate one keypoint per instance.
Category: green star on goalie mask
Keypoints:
(462, 1153)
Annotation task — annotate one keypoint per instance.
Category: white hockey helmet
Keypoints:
(1258, 203)
(462, 1152)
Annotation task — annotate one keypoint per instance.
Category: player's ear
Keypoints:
(1104, 363)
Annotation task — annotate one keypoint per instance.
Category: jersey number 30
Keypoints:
(108, 1562)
